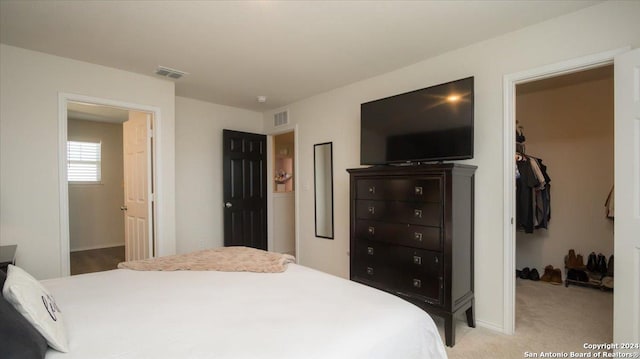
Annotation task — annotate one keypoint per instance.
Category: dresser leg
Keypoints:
(449, 330)
(471, 318)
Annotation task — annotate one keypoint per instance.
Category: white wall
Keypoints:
(571, 129)
(334, 116)
(199, 202)
(95, 218)
(284, 236)
(30, 208)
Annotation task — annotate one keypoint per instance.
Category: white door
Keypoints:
(626, 307)
(137, 192)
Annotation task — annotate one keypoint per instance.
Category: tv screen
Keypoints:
(431, 124)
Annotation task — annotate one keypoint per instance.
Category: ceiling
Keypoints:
(571, 79)
(286, 50)
(98, 113)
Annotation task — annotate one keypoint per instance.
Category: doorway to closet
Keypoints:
(284, 193)
(565, 177)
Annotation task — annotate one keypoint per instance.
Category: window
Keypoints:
(83, 162)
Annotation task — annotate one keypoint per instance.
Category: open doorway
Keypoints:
(284, 193)
(627, 166)
(110, 186)
(564, 165)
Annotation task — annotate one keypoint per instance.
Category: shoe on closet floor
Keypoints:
(579, 263)
(524, 274)
(577, 275)
(595, 278)
(546, 277)
(581, 276)
(592, 262)
(607, 282)
(534, 275)
(602, 264)
(570, 259)
(556, 276)
(610, 267)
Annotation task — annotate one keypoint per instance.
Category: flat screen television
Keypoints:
(431, 124)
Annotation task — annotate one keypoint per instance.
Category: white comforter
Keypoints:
(301, 313)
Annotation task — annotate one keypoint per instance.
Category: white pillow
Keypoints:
(36, 304)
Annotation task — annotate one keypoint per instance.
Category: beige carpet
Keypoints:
(549, 318)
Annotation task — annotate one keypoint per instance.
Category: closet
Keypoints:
(567, 123)
(284, 195)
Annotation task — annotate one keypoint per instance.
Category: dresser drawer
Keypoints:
(402, 234)
(426, 288)
(400, 269)
(400, 189)
(376, 273)
(424, 214)
(413, 259)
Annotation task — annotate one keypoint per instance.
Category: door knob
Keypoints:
(123, 208)
(228, 205)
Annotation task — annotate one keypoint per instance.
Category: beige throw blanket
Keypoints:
(226, 259)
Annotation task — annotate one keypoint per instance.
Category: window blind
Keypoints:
(83, 161)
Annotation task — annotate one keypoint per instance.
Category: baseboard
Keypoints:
(490, 326)
(99, 246)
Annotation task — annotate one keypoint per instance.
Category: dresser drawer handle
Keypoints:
(369, 271)
(417, 260)
(436, 260)
(417, 213)
(372, 230)
(372, 189)
(372, 210)
(370, 251)
(417, 236)
(418, 191)
(417, 283)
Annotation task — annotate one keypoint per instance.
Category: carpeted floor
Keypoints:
(96, 260)
(549, 318)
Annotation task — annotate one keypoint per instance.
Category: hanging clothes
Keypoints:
(543, 197)
(533, 194)
(533, 190)
(525, 186)
(520, 139)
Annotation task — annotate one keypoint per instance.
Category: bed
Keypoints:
(299, 313)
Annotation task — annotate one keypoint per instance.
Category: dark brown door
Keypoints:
(245, 189)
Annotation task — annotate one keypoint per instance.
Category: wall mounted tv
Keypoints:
(431, 124)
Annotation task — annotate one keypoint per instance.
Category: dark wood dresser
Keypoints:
(412, 236)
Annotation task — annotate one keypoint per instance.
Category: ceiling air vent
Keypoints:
(281, 118)
(169, 72)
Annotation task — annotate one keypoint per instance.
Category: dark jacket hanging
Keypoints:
(524, 195)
